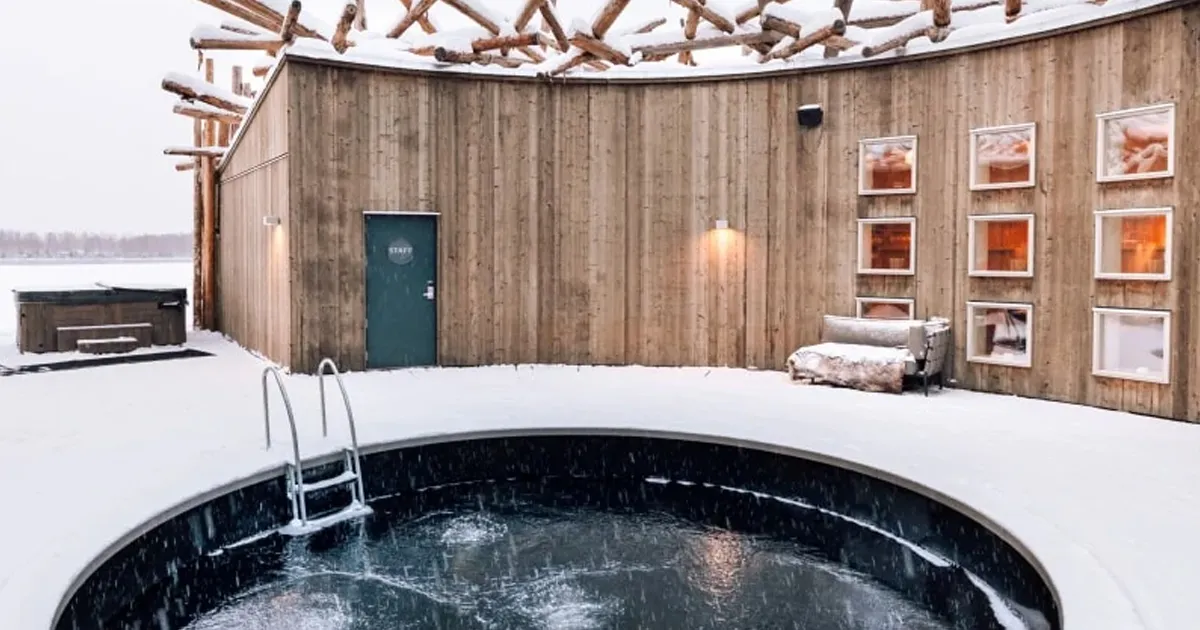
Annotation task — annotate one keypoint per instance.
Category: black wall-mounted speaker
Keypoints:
(810, 116)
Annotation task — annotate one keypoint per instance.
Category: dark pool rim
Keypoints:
(266, 474)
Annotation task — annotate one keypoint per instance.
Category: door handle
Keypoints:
(429, 290)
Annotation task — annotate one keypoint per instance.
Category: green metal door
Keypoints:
(401, 281)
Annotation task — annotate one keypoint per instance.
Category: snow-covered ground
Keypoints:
(1105, 500)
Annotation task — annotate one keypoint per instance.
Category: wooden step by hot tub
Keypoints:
(99, 318)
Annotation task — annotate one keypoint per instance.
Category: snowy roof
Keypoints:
(665, 38)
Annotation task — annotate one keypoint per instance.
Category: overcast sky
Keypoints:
(83, 121)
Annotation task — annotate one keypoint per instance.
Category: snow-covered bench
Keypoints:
(874, 354)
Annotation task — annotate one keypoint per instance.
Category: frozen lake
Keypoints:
(52, 274)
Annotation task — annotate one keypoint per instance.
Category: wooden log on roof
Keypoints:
(812, 39)
(469, 9)
(550, 19)
(780, 25)
(599, 48)
(574, 61)
(710, 16)
(831, 45)
(187, 91)
(414, 13)
(241, 30)
(607, 15)
(1012, 9)
(213, 151)
(238, 11)
(892, 20)
(941, 11)
(648, 26)
(287, 32)
(895, 42)
(661, 51)
(261, 71)
(202, 111)
(270, 46)
(453, 56)
(690, 25)
(424, 22)
(753, 11)
(277, 19)
(342, 30)
(360, 15)
(485, 44)
(525, 15)
(185, 166)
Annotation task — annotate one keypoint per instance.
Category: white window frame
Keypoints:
(863, 190)
(1099, 312)
(1102, 118)
(974, 160)
(1029, 341)
(912, 247)
(1098, 247)
(973, 220)
(911, 303)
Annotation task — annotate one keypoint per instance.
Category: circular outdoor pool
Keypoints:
(572, 531)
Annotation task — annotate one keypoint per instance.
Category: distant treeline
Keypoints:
(27, 245)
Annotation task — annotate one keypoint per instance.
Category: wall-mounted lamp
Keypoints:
(810, 116)
(271, 221)
(721, 224)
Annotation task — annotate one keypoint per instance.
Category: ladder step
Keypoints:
(343, 478)
(354, 510)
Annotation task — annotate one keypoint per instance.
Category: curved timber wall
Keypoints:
(574, 217)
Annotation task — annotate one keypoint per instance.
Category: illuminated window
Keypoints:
(884, 308)
(1000, 333)
(887, 246)
(1136, 143)
(887, 166)
(1001, 245)
(1133, 244)
(1003, 157)
(1131, 344)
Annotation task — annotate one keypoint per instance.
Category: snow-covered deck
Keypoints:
(1106, 500)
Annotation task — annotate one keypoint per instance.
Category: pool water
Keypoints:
(562, 554)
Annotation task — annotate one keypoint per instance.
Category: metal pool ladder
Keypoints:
(297, 489)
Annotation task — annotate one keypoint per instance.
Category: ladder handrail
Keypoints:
(337, 376)
(287, 405)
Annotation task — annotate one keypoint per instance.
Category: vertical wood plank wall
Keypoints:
(575, 218)
(253, 265)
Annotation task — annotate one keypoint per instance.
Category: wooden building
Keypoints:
(389, 217)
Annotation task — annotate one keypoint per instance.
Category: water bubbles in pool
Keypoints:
(472, 529)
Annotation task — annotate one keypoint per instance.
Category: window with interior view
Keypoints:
(1136, 143)
(1003, 157)
(1000, 245)
(887, 246)
(887, 166)
(1133, 244)
(1131, 344)
(884, 308)
(1000, 333)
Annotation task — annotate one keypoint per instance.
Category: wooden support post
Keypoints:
(197, 221)
(208, 252)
